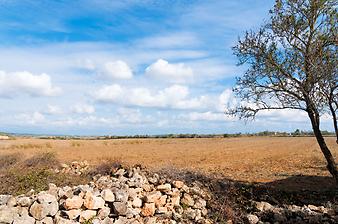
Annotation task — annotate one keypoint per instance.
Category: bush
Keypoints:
(46, 159)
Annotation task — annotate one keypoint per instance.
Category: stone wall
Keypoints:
(134, 197)
(125, 197)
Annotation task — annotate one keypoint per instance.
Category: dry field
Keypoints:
(252, 159)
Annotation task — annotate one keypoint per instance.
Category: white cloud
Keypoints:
(53, 109)
(86, 64)
(83, 109)
(226, 100)
(206, 116)
(116, 70)
(174, 73)
(33, 119)
(175, 96)
(27, 83)
(109, 93)
(287, 115)
(133, 116)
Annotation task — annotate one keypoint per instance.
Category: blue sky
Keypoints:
(126, 67)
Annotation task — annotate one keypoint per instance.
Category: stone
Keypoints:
(263, 206)
(87, 215)
(204, 211)
(11, 202)
(190, 213)
(200, 203)
(161, 210)
(161, 201)
(103, 213)
(176, 200)
(65, 192)
(187, 200)
(24, 201)
(60, 220)
(75, 202)
(120, 208)
(47, 220)
(152, 196)
(137, 203)
(107, 221)
(164, 187)
(108, 195)
(46, 198)
(53, 189)
(174, 192)
(46, 204)
(7, 214)
(73, 214)
(93, 202)
(24, 220)
(120, 172)
(22, 211)
(198, 214)
(252, 219)
(121, 220)
(150, 220)
(185, 189)
(178, 184)
(147, 187)
(121, 195)
(38, 211)
(4, 198)
(177, 216)
(148, 209)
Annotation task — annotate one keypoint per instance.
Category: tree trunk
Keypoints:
(334, 117)
(331, 164)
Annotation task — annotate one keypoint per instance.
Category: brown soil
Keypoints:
(249, 159)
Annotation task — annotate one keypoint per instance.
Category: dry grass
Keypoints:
(228, 167)
(253, 159)
(18, 176)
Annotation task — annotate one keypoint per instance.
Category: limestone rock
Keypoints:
(148, 209)
(121, 195)
(73, 214)
(24, 201)
(103, 213)
(178, 184)
(252, 219)
(86, 215)
(120, 208)
(73, 203)
(47, 220)
(108, 195)
(7, 214)
(93, 202)
(4, 198)
(187, 200)
(152, 196)
(263, 206)
(24, 220)
(164, 187)
(137, 203)
(11, 202)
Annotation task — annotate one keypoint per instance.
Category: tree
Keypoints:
(292, 64)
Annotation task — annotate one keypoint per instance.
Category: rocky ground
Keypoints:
(127, 196)
(135, 195)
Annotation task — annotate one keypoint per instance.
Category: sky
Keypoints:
(104, 67)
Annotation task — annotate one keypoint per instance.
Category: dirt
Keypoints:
(249, 159)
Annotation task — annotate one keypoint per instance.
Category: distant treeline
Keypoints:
(296, 133)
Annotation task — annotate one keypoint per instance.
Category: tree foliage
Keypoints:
(292, 64)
